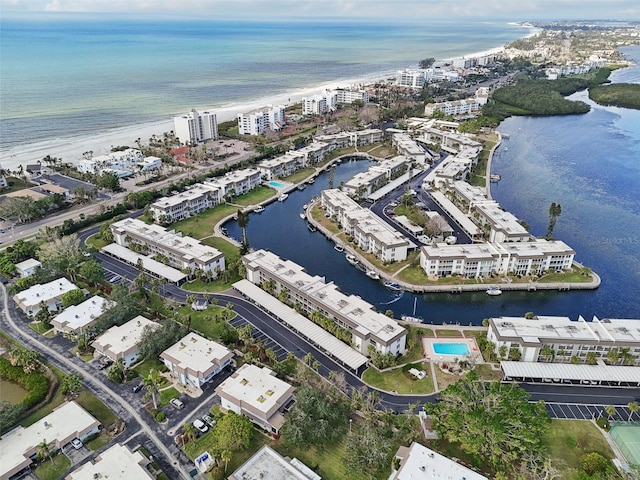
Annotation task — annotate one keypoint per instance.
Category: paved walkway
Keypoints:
(97, 387)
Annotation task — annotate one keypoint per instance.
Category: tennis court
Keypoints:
(627, 437)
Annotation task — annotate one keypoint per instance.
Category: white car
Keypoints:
(77, 443)
(200, 425)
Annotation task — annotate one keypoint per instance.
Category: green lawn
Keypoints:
(209, 322)
(399, 381)
(167, 394)
(568, 277)
(96, 243)
(39, 327)
(568, 440)
(98, 442)
(143, 368)
(53, 471)
(442, 332)
(300, 175)
(414, 342)
(485, 372)
(95, 407)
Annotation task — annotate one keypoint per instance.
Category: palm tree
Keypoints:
(613, 355)
(611, 411)
(554, 212)
(547, 353)
(633, 408)
(151, 383)
(191, 299)
(243, 222)
(225, 456)
(189, 432)
(44, 451)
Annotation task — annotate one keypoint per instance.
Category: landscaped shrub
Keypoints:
(35, 383)
(160, 416)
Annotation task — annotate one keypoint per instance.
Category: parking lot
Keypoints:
(259, 335)
(573, 411)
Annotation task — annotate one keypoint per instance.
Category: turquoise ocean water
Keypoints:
(63, 77)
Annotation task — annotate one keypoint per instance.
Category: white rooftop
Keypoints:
(422, 463)
(460, 218)
(547, 328)
(76, 317)
(267, 464)
(116, 463)
(28, 264)
(196, 354)
(195, 192)
(119, 339)
(65, 423)
(600, 373)
(471, 251)
(45, 292)
(300, 323)
(257, 387)
(157, 268)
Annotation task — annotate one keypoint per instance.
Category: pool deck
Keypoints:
(433, 357)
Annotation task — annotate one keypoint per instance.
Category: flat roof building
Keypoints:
(311, 293)
(179, 251)
(26, 268)
(121, 341)
(418, 462)
(257, 394)
(267, 464)
(115, 463)
(74, 319)
(48, 294)
(257, 121)
(197, 198)
(19, 446)
(568, 338)
(195, 360)
(196, 127)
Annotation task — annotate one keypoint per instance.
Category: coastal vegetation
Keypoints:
(625, 95)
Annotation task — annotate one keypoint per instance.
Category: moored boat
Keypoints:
(302, 215)
(393, 286)
(409, 318)
(311, 227)
(259, 209)
(352, 259)
(283, 197)
(494, 291)
(302, 186)
(338, 248)
(373, 275)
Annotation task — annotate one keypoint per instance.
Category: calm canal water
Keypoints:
(590, 164)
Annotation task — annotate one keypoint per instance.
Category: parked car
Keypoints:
(104, 363)
(77, 443)
(115, 279)
(136, 388)
(176, 403)
(209, 420)
(200, 425)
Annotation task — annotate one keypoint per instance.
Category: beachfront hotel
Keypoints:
(196, 127)
(121, 341)
(76, 318)
(311, 293)
(346, 96)
(48, 295)
(116, 463)
(181, 252)
(414, 78)
(19, 447)
(365, 183)
(568, 338)
(257, 121)
(195, 360)
(320, 103)
(203, 196)
(257, 394)
(369, 232)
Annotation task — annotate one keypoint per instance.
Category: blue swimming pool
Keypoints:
(460, 349)
(275, 184)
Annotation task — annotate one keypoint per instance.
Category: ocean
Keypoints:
(64, 77)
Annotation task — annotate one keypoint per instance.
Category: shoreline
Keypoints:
(70, 148)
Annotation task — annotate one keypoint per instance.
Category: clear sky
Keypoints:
(502, 9)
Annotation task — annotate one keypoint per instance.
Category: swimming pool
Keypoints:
(275, 184)
(460, 349)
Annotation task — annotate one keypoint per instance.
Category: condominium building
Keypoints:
(280, 167)
(408, 147)
(121, 341)
(257, 394)
(311, 293)
(195, 199)
(369, 231)
(415, 79)
(196, 127)
(456, 107)
(567, 338)
(236, 182)
(365, 183)
(48, 295)
(257, 121)
(420, 462)
(267, 464)
(76, 318)
(195, 360)
(19, 447)
(121, 163)
(349, 139)
(116, 463)
(350, 95)
(321, 103)
(170, 246)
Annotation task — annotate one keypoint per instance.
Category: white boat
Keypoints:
(302, 215)
(283, 197)
(373, 274)
(338, 248)
(311, 181)
(409, 318)
(259, 209)
(305, 206)
(494, 291)
(352, 259)
(393, 286)
(312, 228)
